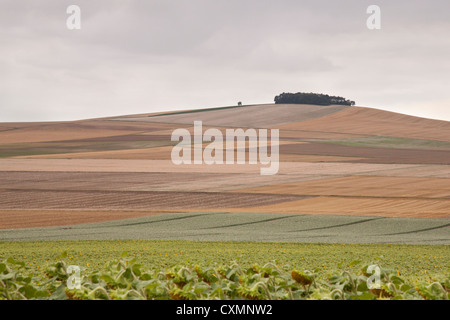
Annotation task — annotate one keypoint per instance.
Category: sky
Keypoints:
(143, 56)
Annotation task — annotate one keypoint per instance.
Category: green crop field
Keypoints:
(392, 142)
(43, 148)
(419, 268)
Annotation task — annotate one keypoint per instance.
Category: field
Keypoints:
(222, 270)
(353, 183)
(167, 253)
(185, 270)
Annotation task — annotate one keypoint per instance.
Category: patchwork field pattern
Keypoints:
(343, 167)
(228, 226)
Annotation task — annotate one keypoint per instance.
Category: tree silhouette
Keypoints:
(312, 98)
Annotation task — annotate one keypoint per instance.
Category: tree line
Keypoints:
(312, 98)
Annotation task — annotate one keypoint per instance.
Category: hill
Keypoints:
(335, 161)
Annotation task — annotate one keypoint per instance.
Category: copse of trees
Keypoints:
(312, 98)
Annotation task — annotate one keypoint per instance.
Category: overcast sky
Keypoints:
(147, 56)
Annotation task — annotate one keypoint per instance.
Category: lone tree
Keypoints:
(312, 98)
(239, 104)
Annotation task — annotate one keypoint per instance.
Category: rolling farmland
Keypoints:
(353, 183)
(336, 161)
(348, 178)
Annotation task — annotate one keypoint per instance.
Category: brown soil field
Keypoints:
(436, 171)
(370, 155)
(141, 181)
(256, 116)
(164, 153)
(107, 124)
(360, 206)
(132, 200)
(369, 121)
(121, 170)
(126, 138)
(117, 165)
(155, 153)
(286, 168)
(126, 165)
(61, 131)
(55, 132)
(15, 219)
(290, 135)
(364, 186)
(143, 115)
(100, 181)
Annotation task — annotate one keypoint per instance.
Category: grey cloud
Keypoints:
(143, 56)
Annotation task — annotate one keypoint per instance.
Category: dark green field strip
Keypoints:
(159, 219)
(249, 223)
(132, 138)
(391, 142)
(420, 230)
(250, 227)
(338, 225)
(8, 129)
(105, 144)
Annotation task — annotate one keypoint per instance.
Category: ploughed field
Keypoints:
(335, 162)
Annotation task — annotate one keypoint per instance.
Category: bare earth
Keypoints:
(74, 173)
(15, 219)
(257, 116)
(367, 121)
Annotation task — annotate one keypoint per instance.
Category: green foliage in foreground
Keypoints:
(125, 278)
(415, 263)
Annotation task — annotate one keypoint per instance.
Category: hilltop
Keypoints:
(337, 161)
